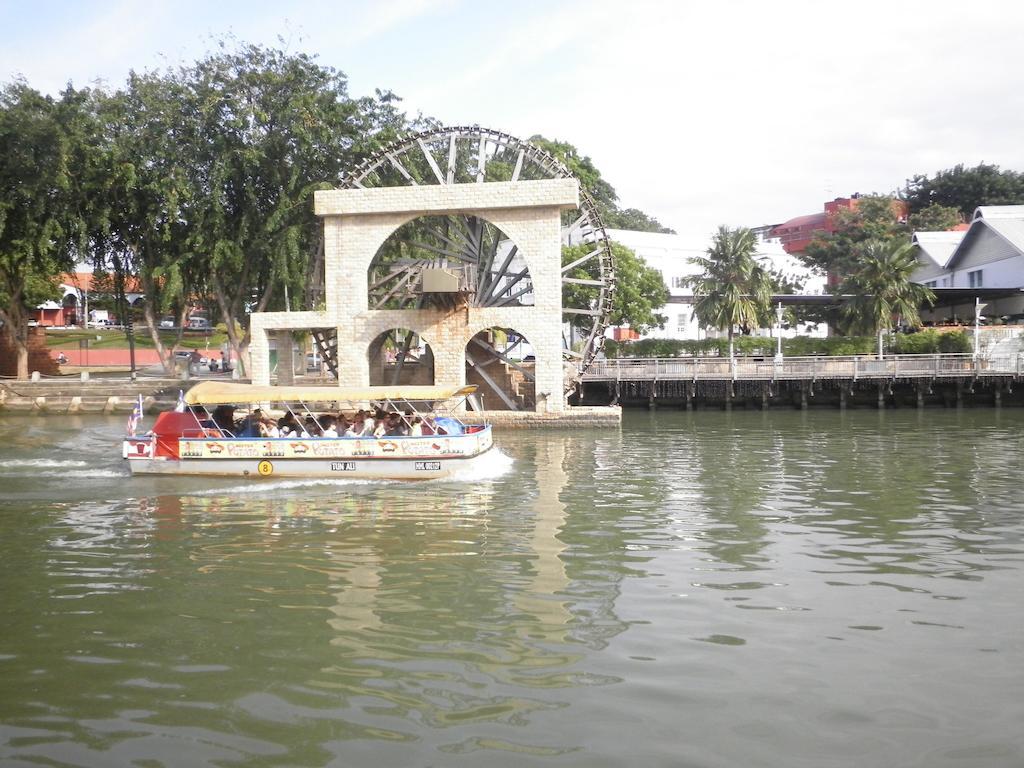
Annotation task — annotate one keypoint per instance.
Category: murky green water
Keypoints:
(777, 589)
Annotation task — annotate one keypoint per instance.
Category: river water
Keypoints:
(708, 589)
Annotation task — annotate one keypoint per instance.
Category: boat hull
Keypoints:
(401, 458)
(379, 469)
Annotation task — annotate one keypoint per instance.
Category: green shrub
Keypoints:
(920, 343)
(955, 341)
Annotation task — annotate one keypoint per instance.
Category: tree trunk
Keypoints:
(152, 324)
(16, 330)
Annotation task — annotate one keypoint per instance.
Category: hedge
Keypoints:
(920, 343)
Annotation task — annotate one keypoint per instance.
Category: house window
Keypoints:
(931, 284)
(682, 322)
(974, 278)
(678, 282)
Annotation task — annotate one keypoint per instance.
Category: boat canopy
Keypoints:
(227, 393)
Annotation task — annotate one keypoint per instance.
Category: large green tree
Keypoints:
(965, 188)
(733, 290)
(269, 128)
(40, 227)
(639, 290)
(880, 290)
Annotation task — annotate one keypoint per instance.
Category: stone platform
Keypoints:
(573, 417)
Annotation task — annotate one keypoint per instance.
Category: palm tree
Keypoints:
(733, 289)
(881, 290)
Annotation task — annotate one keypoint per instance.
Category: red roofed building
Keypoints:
(71, 309)
(796, 234)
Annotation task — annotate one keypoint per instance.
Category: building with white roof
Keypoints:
(671, 254)
(989, 255)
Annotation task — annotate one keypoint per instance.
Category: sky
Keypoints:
(736, 112)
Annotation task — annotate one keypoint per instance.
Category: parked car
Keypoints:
(199, 324)
(100, 324)
(167, 322)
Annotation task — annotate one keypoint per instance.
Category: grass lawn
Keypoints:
(101, 338)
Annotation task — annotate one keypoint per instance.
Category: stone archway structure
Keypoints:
(358, 221)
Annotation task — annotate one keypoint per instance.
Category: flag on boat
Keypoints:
(135, 418)
(180, 407)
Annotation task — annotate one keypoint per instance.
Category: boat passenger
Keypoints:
(369, 426)
(416, 430)
(268, 428)
(395, 426)
(224, 418)
(355, 429)
(289, 425)
(329, 427)
(310, 428)
(250, 425)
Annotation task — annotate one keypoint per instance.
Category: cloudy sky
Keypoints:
(730, 112)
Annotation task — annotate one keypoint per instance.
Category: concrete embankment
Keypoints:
(96, 395)
(112, 395)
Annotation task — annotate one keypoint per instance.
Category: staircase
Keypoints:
(1005, 349)
(506, 378)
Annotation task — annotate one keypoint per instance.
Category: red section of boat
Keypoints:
(169, 427)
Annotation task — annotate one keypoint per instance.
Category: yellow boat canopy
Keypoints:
(228, 393)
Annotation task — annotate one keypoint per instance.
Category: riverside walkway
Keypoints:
(944, 378)
(852, 368)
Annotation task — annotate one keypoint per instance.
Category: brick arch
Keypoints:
(510, 379)
(379, 238)
(410, 374)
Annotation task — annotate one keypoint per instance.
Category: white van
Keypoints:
(198, 324)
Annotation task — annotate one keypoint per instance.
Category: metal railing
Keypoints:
(853, 367)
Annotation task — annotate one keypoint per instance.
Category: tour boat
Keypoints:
(188, 440)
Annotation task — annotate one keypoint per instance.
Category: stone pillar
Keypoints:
(259, 355)
(285, 359)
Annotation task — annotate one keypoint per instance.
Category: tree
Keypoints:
(881, 290)
(733, 289)
(39, 227)
(965, 188)
(934, 218)
(639, 290)
(150, 197)
(876, 217)
(636, 220)
(268, 129)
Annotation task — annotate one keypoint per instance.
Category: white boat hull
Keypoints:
(401, 458)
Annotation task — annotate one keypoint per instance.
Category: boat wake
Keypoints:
(41, 463)
(490, 466)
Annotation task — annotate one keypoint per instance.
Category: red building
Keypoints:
(796, 234)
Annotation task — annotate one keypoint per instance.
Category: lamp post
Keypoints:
(978, 306)
(778, 333)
